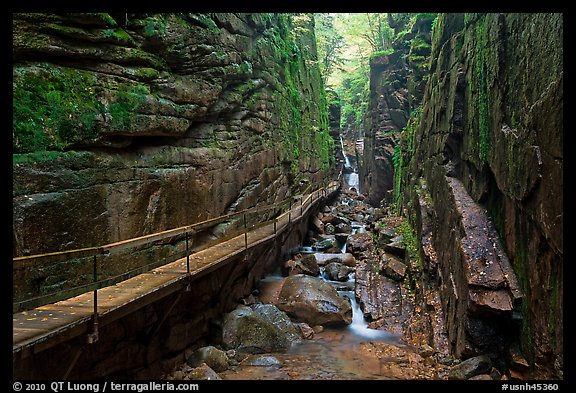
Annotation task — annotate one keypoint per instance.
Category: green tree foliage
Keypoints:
(379, 34)
(329, 43)
(352, 39)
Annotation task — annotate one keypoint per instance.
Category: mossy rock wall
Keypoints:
(130, 124)
(493, 118)
(397, 80)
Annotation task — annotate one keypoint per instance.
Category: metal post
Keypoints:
(245, 233)
(187, 256)
(93, 337)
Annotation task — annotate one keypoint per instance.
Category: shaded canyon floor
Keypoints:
(393, 335)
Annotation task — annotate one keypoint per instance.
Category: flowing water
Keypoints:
(350, 175)
(349, 352)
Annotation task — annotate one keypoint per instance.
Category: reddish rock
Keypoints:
(345, 258)
(314, 301)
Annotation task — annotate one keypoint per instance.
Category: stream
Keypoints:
(354, 351)
(361, 350)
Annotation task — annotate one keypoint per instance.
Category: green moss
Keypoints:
(154, 26)
(410, 240)
(207, 21)
(417, 59)
(64, 30)
(38, 157)
(147, 73)
(483, 103)
(521, 269)
(106, 18)
(403, 156)
(419, 47)
(118, 35)
(386, 52)
(140, 57)
(53, 108)
(128, 100)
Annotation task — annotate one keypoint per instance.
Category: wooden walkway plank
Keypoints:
(36, 329)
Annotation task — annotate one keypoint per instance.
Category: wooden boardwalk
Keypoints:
(51, 324)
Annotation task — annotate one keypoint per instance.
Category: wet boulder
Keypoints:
(204, 373)
(323, 245)
(244, 330)
(314, 301)
(324, 259)
(215, 358)
(393, 268)
(471, 367)
(279, 318)
(337, 271)
(306, 265)
(262, 360)
(359, 242)
(343, 228)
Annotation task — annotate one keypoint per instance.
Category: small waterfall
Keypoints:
(351, 179)
(347, 163)
(359, 326)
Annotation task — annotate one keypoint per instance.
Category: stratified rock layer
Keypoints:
(130, 124)
(397, 82)
(188, 117)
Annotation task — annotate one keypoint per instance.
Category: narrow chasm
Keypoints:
(291, 196)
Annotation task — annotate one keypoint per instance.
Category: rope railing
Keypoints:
(99, 254)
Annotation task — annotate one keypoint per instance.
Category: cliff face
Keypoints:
(484, 173)
(397, 82)
(128, 124)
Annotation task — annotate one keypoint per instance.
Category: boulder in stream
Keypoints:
(322, 259)
(204, 373)
(215, 358)
(279, 318)
(323, 245)
(336, 271)
(244, 330)
(314, 301)
(262, 360)
(305, 264)
(359, 242)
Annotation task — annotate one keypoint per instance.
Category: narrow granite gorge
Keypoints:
(292, 196)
